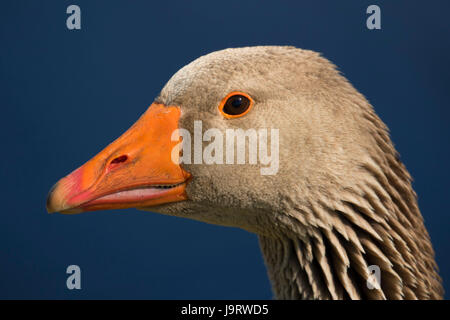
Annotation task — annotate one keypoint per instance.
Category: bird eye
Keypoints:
(235, 105)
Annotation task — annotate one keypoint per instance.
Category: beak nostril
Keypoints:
(119, 159)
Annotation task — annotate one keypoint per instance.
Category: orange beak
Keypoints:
(136, 170)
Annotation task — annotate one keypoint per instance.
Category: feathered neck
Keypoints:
(333, 262)
(334, 236)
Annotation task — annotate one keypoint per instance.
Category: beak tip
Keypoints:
(49, 203)
(50, 210)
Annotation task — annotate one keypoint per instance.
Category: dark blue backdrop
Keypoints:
(65, 94)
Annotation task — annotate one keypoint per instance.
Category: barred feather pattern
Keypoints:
(375, 222)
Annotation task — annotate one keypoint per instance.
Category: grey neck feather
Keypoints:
(331, 242)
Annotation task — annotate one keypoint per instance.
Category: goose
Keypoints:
(339, 203)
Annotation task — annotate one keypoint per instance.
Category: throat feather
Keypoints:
(333, 259)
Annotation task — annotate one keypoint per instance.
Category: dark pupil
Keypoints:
(236, 102)
(236, 105)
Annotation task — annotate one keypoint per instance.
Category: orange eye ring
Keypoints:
(235, 105)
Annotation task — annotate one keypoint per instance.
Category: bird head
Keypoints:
(305, 130)
(276, 141)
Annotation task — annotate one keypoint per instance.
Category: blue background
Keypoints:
(64, 95)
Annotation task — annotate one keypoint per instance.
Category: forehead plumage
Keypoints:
(279, 68)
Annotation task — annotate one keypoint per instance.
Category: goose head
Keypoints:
(318, 175)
